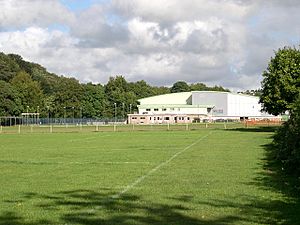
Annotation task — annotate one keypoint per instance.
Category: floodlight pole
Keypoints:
(27, 116)
(80, 115)
(115, 104)
(65, 115)
(37, 115)
(123, 108)
(73, 113)
(48, 115)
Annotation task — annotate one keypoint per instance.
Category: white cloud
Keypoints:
(24, 13)
(169, 11)
(217, 42)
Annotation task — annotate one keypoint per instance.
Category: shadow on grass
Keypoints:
(255, 129)
(89, 207)
(275, 179)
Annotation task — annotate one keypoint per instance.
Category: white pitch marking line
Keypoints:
(140, 179)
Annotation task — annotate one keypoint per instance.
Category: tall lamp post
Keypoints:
(37, 115)
(123, 110)
(115, 104)
(48, 114)
(73, 108)
(27, 116)
(80, 115)
(65, 114)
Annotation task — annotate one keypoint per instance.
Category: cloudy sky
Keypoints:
(217, 42)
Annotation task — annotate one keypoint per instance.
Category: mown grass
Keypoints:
(170, 177)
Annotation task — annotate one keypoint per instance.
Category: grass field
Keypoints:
(23, 129)
(205, 176)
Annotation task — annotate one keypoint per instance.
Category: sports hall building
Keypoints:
(198, 106)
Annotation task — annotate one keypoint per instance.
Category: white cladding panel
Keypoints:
(217, 99)
(241, 105)
(202, 102)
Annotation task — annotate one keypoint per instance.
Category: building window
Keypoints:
(172, 109)
(142, 118)
(155, 109)
(148, 110)
(150, 118)
(167, 118)
(145, 112)
(134, 118)
(188, 118)
(154, 118)
(164, 109)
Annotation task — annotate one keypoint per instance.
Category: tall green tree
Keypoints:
(10, 103)
(281, 81)
(94, 101)
(180, 86)
(141, 89)
(287, 141)
(8, 67)
(120, 97)
(68, 97)
(29, 92)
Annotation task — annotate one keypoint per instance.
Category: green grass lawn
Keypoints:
(154, 177)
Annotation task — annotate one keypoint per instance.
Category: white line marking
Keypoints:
(140, 179)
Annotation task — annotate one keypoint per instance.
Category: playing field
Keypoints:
(151, 177)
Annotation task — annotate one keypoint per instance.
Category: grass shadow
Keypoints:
(274, 178)
(88, 207)
(255, 129)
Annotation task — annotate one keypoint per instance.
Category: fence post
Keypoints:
(115, 127)
(187, 126)
(19, 129)
(51, 128)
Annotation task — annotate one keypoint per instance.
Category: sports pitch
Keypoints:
(208, 176)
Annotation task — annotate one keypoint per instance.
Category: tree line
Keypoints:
(280, 94)
(29, 87)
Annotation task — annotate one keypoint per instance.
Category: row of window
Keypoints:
(163, 109)
(161, 118)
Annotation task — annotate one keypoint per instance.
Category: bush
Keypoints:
(287, 141)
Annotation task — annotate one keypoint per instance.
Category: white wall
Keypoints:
(173, 110)
(217, 99)
(241, 105)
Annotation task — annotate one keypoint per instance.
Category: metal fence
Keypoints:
(26, 121)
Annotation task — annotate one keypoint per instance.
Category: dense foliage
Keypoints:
(287, 141)
(280, 93)
(29, 87)
(281, 83)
